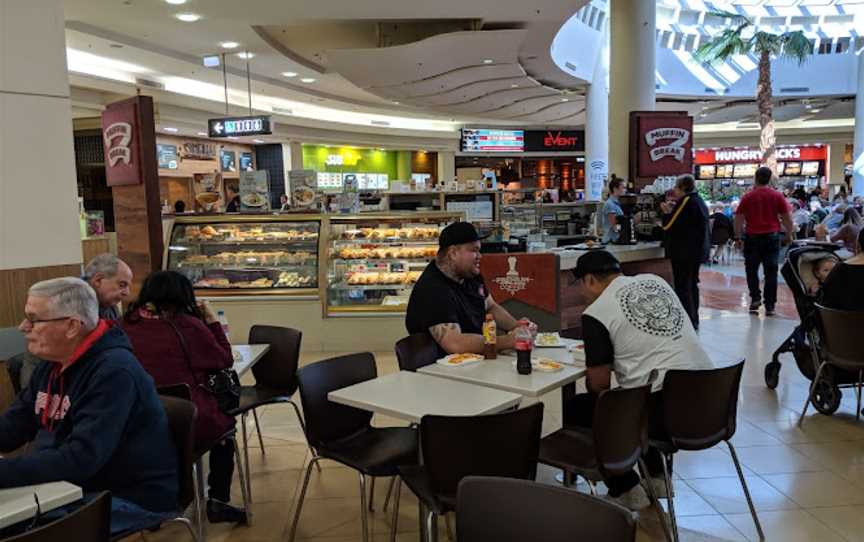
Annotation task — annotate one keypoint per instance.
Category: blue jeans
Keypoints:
(762, 250)
(126, 516)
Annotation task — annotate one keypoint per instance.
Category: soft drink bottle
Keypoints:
(524, 346)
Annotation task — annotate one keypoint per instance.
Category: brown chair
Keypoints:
(700, 410)
(90, 523)
(275, 382)
(415, 351)
(453, 447)
(838, 333)
(524, 510)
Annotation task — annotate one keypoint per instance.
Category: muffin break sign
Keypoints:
(530, 278)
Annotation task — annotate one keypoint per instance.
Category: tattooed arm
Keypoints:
(451, 339)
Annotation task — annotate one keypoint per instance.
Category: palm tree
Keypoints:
(745, 38)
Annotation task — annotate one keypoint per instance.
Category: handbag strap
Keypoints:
(184, 347)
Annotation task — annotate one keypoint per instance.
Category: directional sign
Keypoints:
(240, 126)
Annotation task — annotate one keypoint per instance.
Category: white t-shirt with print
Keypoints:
(648, 328)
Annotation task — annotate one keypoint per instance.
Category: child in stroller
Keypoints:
(821, 268)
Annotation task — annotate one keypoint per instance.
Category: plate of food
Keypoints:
(460, 360)
(544, 365)
(253, 200)
(548, 340)
(577, 350)
(304, 196)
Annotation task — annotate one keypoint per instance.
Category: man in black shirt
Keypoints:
(450, 301)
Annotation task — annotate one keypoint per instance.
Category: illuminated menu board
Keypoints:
(486, 140)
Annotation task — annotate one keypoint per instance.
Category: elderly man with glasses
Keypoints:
(90, 414)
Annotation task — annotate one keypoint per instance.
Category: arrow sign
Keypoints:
(240, 126)
(217, 127)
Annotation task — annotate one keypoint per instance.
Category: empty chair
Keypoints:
(838, 333)
(415, 351)
(344, 434)
(453, 447)
(509, 510)
(90, 523)
(275, 381)
(699, 411)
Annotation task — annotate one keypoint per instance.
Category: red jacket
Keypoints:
(158, 348)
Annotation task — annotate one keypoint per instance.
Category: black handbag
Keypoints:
(224, 384)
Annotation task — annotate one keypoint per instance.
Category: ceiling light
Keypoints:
(229, 45)
(807, 106)
(187, 17)
(170, 129)
(395, 103)
(289, 74)
(815, 110)
(202, 134)
(258, 141)
(308, 80)
(246, 55)
(175, 2)
(565, 99)
(233, 137)
(488, 61)
(514, 85)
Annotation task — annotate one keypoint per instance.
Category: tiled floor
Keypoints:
(807, 484)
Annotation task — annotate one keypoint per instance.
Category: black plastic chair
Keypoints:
(699, 411)
(525, 510)
(344, 434)
(275, 382)
(453, 447)
(90, 523)
(838, 334)
(415, 351)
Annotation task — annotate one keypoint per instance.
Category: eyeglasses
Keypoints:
(34, 321)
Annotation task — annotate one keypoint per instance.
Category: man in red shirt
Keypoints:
(759, 217)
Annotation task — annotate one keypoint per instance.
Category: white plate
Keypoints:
(577, 350)
(540, 368)
(445, 361)
(553, 338)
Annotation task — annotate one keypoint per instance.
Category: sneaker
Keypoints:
(769, 311)
(635, 499)
(754, 307)
(659, 487)
(220, 512)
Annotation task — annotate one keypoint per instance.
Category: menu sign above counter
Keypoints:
(518, 141)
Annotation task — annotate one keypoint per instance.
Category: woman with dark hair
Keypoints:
(179, 340)
(849, 229)
(844, 287)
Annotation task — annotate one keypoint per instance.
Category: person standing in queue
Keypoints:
(450, 300)
(609, 227)
(689, 244)
(759, 218)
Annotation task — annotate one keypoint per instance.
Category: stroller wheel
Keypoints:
(826, 397)
(772, 375)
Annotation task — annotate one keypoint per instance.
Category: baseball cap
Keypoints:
(596, 262)
(458, 233)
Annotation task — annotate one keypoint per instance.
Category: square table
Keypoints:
(17, 503)
(410, 396)
(249, 354)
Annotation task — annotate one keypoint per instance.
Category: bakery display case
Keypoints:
(246, 254)
(373, 261)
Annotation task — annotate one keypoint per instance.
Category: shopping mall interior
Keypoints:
(294, 164)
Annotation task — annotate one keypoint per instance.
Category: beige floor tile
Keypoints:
(727, 496)
(812, 431)
(846, 520)
(272, 486)
(707, 528)
(839, 457)
(816, 489)
(278, 458)
(785, 526)
(705, 464)
(776, 460)
(689, 503)
(747, 434)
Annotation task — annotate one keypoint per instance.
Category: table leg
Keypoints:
(567, 392)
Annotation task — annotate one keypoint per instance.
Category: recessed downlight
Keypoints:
(176, 2)
(488, 61)
(308, 80)
(565, 99)
(289, 74)
(202, 134)
(229, 45)
(514, 85)
(170, 129)
(246, 55)
(188, 17)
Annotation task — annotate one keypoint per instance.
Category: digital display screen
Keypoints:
(724, 171)
(706, 172)
(487, 140)
(793, 168)
(810, 169)
(372, 181)
(781, 168)
(745, 170)
(329, 181)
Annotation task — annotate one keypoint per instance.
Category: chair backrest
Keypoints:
(505, 445)
(838, 331)
(181, 422)
(700, 407)
(508, 510)
(620, 428)
(90, 523)
(278, 368)
(415, 351)
(179, 391)
(326, 421)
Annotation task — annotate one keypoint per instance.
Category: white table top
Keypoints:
(410, 396)
(501, 374)
(17, 503)
(250, 354)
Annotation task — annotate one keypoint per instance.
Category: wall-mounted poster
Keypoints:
(303, 184)
(246, 161)
(254, 191)
(208, 192)
(228, 159)
(167, 156)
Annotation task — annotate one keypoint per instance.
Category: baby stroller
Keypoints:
(804, 341)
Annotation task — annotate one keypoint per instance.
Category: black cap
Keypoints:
(458, 233)
(596, 262)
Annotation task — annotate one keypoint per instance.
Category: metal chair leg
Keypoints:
(244, 476)
(372, 495)
(300, 500)
(655, 502)
(198, 490)
(393, 526)
(258, 430)
(858, 409)
(303, 428)
(246, 456)
(363, 514)
(812, 391)
(667, 477)
(432, 528)
(186, 523)
(746, 490)
(421, 514)
(389, 492)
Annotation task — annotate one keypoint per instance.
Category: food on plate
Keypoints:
(459, 359)
(303, 196)
(253, 200)
(546, 364)
(196, 259)
(207, 198)
(547, 339)
(213, 283)
(208, 232)
(289, 279)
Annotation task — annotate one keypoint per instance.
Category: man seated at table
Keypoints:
(90, 414)
(634, 326)
(111, 278)
(450, 300)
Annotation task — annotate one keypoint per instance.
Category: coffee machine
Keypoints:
(627, 221)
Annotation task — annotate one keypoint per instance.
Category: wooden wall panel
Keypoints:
(188, 168)
(14, 284)
(425, 162)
